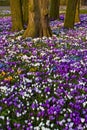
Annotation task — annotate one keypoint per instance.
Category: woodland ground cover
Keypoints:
(43, 82)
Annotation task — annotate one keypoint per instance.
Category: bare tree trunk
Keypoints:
(16, 12)
(45, 28)
(25, 11)
(70, 13)
(34, 19)
(38, 24)
(54, 9)
(77, 17)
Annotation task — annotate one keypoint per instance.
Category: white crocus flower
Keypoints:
(25, 57)
(2, 117)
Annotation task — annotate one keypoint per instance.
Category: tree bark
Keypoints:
(54, 9)
(77, 17)
(25, 11)
(70, 14)
(34, 19)
(16, 12)
(45, 28)
(38, 24)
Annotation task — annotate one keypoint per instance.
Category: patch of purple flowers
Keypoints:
(43, 82)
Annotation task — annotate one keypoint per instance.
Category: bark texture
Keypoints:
(70, 13)
(45, 28)
(38, 24)
(16, 12)
(34, 19)
(54, 9)
(77, 17)
(25, 11)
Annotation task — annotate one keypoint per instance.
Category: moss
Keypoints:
(83, 11)
(45, 12)
(31, 8)
(70, 14)
(54, 9)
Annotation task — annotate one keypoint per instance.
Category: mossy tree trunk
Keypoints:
(25, 11)
(77, 17)
(54, 9)
(70, 13)
(38, 24)
(16, 12)
(45, 28)
(33, 19)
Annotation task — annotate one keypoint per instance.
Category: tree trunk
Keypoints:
(34, 19)
(54, 9)
(16, 12)
(45, 28)
(38, 24)
(25, 11)
(70, 14)
(77, 17)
